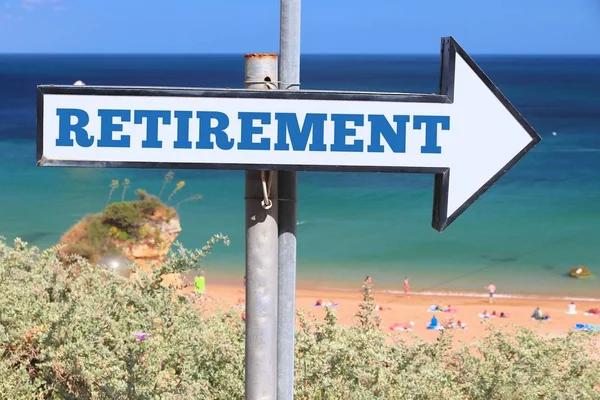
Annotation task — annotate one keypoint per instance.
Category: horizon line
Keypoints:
(303, 54)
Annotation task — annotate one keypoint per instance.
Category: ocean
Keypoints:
(524, 234)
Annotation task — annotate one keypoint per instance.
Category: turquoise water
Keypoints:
(524, 233)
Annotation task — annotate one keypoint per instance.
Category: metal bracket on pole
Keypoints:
(261, 258)
(289, 72)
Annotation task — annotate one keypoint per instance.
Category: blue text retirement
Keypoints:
(213, 130)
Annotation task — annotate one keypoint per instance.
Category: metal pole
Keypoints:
(261, 259)
(289, 77)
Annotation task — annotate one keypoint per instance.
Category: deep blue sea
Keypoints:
(539, 220)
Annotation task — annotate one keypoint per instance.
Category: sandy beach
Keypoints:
(400, 309)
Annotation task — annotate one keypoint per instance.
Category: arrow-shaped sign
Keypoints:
(469, 135)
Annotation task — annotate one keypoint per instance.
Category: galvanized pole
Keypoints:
(261, 257)
(289, 77)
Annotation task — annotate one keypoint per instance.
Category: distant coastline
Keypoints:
(220, 279)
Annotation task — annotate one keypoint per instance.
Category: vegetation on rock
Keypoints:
(126, 223)
(79, 332)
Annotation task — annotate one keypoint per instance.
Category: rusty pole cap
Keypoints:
(261, 56)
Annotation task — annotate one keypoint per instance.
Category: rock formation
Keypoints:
(141, 230)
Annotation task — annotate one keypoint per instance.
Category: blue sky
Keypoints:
(328, 26)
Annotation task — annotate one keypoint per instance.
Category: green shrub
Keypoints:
(149, 206)
(142, 194)
(122, 236)
(170, 214)
(68, 332)
(95, 243)
(129, 216)
(83, 249)
(97, 230)
(124, 215)
(144, 231)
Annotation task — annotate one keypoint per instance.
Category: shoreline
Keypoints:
(445, 282)
(413, 310)
(302, 285)
(496, 296)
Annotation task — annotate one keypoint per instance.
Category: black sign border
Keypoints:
(449, 49)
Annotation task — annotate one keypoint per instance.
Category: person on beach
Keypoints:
(538, 315)
(406, 286)
(492, 290)
(402, 326)
(321, 303)
(433, 324)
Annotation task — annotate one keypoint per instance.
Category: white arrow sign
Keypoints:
(468, 135)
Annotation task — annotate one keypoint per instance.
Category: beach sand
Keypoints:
(401, 309)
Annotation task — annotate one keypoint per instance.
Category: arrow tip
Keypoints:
(490, 135)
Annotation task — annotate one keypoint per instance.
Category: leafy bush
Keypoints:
(122, 236)
(362, 362)
(144, 231)
(97, 231)
(142, 194)
(94, 239)
(149, 205)
(128, 217)
(68, 332)
(82, 249)
(124, 215)
(78, 332)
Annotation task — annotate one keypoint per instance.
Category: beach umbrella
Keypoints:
(116, 263)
